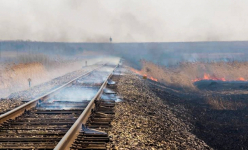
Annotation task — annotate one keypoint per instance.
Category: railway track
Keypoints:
(56, 119)
(12, 103)
(94, 134)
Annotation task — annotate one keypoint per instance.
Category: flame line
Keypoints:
(140, 73)
(208, 77)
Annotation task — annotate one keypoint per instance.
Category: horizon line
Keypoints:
(120, 42)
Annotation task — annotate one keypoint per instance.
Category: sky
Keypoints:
(124, 20)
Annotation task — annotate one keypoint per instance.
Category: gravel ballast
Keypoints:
(143, 121)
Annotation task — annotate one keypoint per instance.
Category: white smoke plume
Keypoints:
(123, 20)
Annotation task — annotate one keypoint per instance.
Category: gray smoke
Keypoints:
(124, 20)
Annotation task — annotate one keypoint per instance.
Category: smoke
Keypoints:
(123, 20)
(14, 77)
(76, 94)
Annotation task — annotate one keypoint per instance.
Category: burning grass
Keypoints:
(186, 74)
(217, 108)
(214, 78)
(144, 75)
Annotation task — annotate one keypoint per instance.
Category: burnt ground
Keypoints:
(220, 129)
(143, 121)
(212, 85)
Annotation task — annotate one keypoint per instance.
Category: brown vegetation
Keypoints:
(217, 112)
(16, 76)
(184, 74)
(30, 58)
(40, 68)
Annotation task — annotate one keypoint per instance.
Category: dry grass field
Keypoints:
(185, 73)
(217, 109)
(17, 69)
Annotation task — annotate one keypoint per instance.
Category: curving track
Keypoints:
(53, 120)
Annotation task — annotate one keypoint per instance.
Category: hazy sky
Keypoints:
(124, 20)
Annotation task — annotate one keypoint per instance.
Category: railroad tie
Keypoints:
(94, 135)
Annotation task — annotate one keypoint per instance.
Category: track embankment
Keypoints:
(143, 121)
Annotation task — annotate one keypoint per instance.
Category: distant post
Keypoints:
(145, 77)
(29, 82)
(85, 63)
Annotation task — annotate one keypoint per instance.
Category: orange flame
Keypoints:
(241, 79)
(208, 77)
(140, 73)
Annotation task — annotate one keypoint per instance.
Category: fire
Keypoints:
(154, 79)
(241, 79)
(208, 77)
(140, 73)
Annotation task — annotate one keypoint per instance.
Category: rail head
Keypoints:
(18, 110)
(70, 136)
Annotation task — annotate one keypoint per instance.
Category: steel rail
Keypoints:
(71, 135)
(20, 109)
